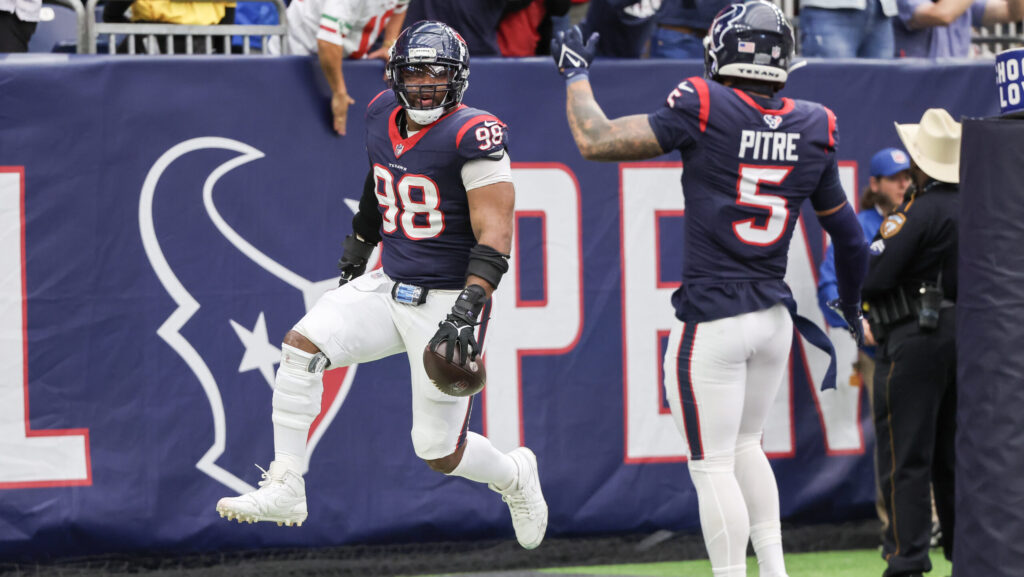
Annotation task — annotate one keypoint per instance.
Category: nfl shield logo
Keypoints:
(399, 148)
(776, 51)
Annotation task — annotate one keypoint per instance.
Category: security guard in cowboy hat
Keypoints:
(910, 296)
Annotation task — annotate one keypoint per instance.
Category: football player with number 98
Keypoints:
(750, 159)
(440, 199)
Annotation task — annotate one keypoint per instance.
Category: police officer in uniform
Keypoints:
(910, 296)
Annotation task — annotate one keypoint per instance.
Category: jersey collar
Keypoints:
(787, 104)
(401, 145)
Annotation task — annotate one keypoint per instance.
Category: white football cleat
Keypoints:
(281, 498)
(525, 500)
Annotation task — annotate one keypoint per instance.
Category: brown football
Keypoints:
(451, 378)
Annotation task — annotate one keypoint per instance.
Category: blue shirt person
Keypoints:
(847, 28)
(890, 178)
(942, 29)
(682, 26)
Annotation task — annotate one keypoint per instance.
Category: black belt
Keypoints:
(898, 306)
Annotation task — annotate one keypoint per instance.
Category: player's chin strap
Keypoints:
(816, 337)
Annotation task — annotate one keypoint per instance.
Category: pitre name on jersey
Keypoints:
(761, 145)
(769, 154)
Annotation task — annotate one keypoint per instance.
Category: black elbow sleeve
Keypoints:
(487, 263)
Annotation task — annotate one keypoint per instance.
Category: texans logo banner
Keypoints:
(164, 223)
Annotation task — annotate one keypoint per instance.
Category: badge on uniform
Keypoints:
(892, 224)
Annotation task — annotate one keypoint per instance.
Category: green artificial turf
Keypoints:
(859, 563)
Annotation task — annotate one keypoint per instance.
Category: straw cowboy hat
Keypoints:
(934, 144)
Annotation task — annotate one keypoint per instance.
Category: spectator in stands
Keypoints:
(942, 28)
(338, 29)
(527, 32)
(625, 26)
(682, 26)
(199, 13)
(254, 14)
(577, 12)
(18, 20)
(847, 28)
(476, 20)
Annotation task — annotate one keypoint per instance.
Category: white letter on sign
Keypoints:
(28, 458)
(551, 326)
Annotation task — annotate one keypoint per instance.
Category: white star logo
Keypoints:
(259, 353)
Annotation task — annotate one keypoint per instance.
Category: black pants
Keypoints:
(915, 426)
(15, 33)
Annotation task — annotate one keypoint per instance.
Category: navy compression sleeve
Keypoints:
(851, 252)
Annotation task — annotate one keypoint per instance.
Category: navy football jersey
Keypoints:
(748, 164)
(426, 230)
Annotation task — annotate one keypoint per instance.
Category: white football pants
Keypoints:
(721, 378)
(360, 322)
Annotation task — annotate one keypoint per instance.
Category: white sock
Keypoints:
(767, 540)
(293, 462)
(761, 494)
(297, 394)
(734, 571)
(482, 463)
(723, 514)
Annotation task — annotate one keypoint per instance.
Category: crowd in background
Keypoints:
(518, 28)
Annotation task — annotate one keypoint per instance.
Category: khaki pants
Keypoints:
(865, 367)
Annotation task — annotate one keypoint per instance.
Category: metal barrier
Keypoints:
(153, 31)
(992, 40)
(82, 37)
(989, 40)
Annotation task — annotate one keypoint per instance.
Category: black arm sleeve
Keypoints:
(851, 252)
(366, 223)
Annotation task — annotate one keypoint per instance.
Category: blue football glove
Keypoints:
(571, 55)
(853, 317)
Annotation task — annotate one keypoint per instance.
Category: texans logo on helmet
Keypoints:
(221, 325)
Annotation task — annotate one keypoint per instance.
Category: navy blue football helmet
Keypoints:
(433, 49)
(752, 40)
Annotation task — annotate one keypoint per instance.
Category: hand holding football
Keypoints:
(451, 378)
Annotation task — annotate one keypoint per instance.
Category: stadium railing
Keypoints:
(153, 31)
(58, 29)
(990, 40)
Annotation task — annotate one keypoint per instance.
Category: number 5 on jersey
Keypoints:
(748, 194)
(401, 209)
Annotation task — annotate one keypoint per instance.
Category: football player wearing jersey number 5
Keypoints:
(439, 195)
(750, 160)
